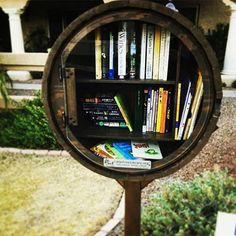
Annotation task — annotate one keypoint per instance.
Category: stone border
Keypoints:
(34, 152)
(115, 220)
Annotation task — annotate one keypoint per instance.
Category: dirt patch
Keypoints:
(53, 196)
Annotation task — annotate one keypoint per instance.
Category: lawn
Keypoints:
(53, 196)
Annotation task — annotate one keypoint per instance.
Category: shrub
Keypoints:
(190, 208)
(26, 127)
(234, 84)
(4, 81)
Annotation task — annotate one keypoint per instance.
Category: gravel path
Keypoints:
(219, 153)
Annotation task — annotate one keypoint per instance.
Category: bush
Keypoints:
(190, 208)
(26, 127)
(234, 84)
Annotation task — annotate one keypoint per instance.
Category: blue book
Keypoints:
(125, 149)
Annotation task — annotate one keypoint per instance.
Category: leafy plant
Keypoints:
(218, 39)
(4, 81)
(190, 208)
(234, 84)
(27, 127)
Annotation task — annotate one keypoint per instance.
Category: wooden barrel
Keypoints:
(61, 88)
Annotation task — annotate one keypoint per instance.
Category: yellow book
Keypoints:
(163, 115)
(177, 111)
(156, 59)
(159, 111)
(98, 53)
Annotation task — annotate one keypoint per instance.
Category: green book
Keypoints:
(123, 109)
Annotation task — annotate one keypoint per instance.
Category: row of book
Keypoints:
(157, 110)
(132, 51)
(107, 110)
(189, 97)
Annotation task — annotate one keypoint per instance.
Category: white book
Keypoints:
(111, 52)
(151, 111)
(194, 115)
(145, 150)
(185, 111)
(143, 51)
(150, 52)
(122, 50)
(148, 109)
(162, 54)
(98, 53)
(166, 55)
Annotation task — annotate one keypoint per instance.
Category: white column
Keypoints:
(229, 70)
(17, 41)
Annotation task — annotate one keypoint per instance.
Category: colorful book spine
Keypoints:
(156, 58)
(177, 111)
(164, 110)
(145, 101)
(114, 124)
(123, 110)
(148, 108)
(143, 51)
(150, 50)
(98, 53)
(159, 115)
(122, 51)
(111, 72)
(138, 116)
(125, 149)
(168, 113)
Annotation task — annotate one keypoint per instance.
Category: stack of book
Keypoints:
(132, 51)
(107, 110)
(122, 152)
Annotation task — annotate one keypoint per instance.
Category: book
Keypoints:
(158, 126)
(105, 53)
(98, 53)
(109, 149)
(149, 98)
(133, 51)
(123, 109)
(146, 150)
(168, 113)
(187, 103)
(111, 72)
(122, 50)
(99, 152)
(164, 109)
(162, 54)
(138, 110)
(156, 58)
(115, 124)
(143, 51)
(177, 111)
(124, 147)
(166, 55)
(150, 50)
(145, 100)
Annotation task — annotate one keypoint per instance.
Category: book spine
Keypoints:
(145, 99)
(185, 111)
(148, 109)
(143, 51)
(151, 120)
(105, 55)
(122, 51)
(168, 113)
(103, 113)
(138, 111)
(111, 56)
(177, 111)
(150, 50)
(156, 58)
(155, 110)
(98, 53)
(164, 109)
(133, 52)
(107, 118)
(123, 112)
(111, 124)
(158, 127)
(162, 54)
(166, 55)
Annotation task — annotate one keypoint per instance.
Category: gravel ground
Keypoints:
(219, 153)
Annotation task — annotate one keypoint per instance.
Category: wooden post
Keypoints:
(132, 208)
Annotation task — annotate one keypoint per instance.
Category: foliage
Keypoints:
(218, 39)
(190, 208)
(26, 127)
(234, 84)
(4, 81)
